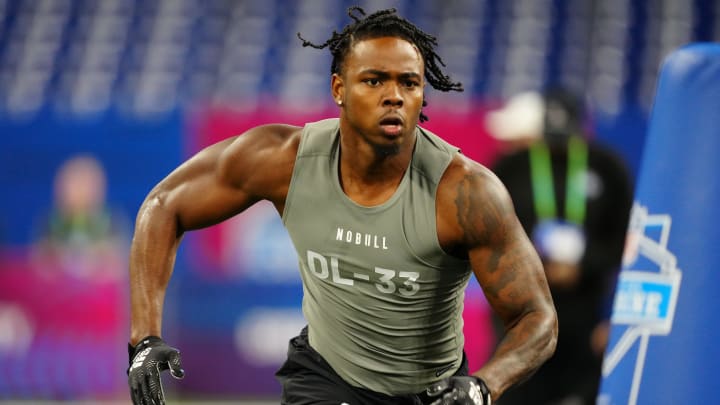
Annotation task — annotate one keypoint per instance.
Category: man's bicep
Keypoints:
(502, 257)
(207, 200)
(199, 192)
(228, 177)
(511, 276)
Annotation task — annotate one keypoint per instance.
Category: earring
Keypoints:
(339, 102)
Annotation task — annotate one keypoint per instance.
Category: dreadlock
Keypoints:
(387, 23)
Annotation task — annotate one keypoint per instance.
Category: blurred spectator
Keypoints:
(66, 307)
(573, 197)
(81, 235)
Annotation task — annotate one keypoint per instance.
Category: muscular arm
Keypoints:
(506, 266)
(217, 183)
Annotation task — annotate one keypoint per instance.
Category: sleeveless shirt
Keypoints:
(382, 300)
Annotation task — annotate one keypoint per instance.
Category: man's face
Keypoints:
(381, 89)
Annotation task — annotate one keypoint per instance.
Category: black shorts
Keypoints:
(306, 378)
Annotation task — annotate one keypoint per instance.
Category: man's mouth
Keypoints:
(391, 126)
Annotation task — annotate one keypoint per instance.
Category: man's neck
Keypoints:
(370, 175)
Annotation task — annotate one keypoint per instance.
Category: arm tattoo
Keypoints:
(487, 223)
(511, 276)
(476, 225)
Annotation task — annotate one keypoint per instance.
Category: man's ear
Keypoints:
(337, 87)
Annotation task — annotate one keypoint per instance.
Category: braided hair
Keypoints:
(384, 23)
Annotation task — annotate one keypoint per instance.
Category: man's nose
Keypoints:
(393, 96)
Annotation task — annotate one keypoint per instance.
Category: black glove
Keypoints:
(147, 359)
(460, 390)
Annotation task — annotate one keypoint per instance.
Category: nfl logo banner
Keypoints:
(664, 342)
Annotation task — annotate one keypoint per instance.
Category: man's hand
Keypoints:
(460, 390)
(147, 359)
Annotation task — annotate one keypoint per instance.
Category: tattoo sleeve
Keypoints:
(511, 275)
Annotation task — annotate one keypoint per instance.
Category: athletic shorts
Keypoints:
(306, 378)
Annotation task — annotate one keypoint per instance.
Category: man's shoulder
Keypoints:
(268, 138)
(470, 197)
(464, 171)
(261, 153)
(466, 165)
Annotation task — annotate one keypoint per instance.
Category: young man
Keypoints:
(388, 221)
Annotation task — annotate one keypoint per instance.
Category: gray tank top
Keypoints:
(382, 300)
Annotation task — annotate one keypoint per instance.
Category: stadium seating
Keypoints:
(148, 57)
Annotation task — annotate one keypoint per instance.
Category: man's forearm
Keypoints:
(523, 349)
(152, 257)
